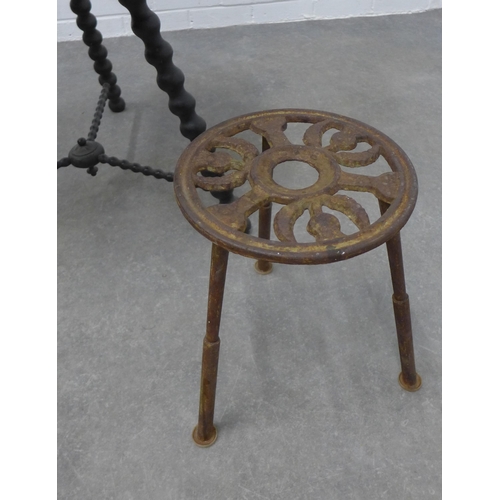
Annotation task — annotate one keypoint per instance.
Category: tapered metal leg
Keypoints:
(263, 266)
(205, 433)
(409, 379)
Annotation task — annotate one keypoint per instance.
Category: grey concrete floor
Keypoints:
(308, 403)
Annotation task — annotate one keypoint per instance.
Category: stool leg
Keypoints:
(263, 266)
(409, 379)
(205, 433)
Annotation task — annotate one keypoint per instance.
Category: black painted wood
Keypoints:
(92, 37)
(146, 25)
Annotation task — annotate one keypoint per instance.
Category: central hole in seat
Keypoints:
(295, 175)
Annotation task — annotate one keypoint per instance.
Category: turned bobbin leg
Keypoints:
(158, 52)
(205, 433)
(92, 37)
(409, 379)
(264, 266)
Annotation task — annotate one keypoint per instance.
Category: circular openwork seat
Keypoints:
(339, 169)
(339, 226)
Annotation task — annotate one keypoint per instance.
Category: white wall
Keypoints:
(114, 20)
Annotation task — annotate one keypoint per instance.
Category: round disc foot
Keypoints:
(411, 388)
(268, 268)
(204, 444)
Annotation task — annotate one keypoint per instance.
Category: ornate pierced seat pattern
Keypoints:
(339, 169)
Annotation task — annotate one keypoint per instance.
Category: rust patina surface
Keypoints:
(221, 160)
(339, 168)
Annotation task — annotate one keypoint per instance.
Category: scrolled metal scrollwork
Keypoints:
(257, 168)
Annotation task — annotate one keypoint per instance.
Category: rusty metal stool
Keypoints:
(221, 159)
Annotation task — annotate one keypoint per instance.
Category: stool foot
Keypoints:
(409, 377)
(263, 267)
(204, 443)
(408, 387)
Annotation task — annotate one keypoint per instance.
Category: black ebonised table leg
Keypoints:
(146, 25)
(170, 79)
(91, 37)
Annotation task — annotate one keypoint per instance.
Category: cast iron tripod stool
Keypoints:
(340, 170)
